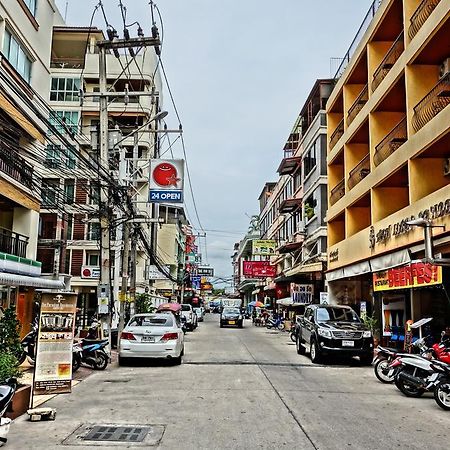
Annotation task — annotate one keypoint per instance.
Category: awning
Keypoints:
(270, 287)
(290, 205)
(289, 165)
(289, 247)
(305, 268)
(285, 301)
(11, 279)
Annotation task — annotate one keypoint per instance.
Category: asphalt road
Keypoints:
(241, 389)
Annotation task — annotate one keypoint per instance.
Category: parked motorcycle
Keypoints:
(275, 323)
(7, 392)
(442, 390)
(91, 353)
(28, 344)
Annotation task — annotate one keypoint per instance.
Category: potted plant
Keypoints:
(372, 324)
(10, 351)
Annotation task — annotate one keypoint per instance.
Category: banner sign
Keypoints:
(53, 370)
(258, 269)
(263, 247)
(302, 293)
(205, 271)
(166, 181)
(416, 274)
(92, 272)
(196, 281)
(153, 273)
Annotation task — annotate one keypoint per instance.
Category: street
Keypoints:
(242, 388)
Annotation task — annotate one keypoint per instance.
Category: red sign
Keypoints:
(258, 269)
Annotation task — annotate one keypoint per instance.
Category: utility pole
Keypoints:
(125, 264)
(133, 268)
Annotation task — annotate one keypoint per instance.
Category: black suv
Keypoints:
(326, 330)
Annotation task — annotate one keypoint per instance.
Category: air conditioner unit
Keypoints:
(444, 68)
(447, 167)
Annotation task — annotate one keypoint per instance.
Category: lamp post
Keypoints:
(428, 226)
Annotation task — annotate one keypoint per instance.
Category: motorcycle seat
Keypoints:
(6, 392)
(94, 341)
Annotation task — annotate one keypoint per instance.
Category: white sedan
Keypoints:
(156, 335)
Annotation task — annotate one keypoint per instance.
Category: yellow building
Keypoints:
(389, 162)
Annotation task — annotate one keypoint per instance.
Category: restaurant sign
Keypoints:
(258, 269)
(264, 247)
(416, 274)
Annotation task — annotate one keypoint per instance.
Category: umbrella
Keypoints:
(174, 307)
(257, 304)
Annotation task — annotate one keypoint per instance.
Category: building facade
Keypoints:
(388, 163)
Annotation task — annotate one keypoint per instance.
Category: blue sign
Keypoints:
(196, 281)
(166, 196)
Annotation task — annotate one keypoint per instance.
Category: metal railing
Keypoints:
(337, 192)
(337, 134)
(13, 243)
(359, 172)
(356, 40)
(15, 166)
(432, 104)
(388, 61)
(358, 104)
(421, 15)
(395, 139)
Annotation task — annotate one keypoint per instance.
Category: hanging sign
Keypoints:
(205, 271)
(416, 274)
(166, 181)
(263, 247)
(53, 370)
(258, 269)
(302, 293)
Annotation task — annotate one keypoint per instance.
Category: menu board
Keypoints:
(53, 369)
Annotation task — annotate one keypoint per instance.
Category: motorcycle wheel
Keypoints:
(30, 360)
(381, 370)
(442, 396)
(268, 326)
(293, 337)
(407, 388)
(101, 362)
(76, 363)
(280, 327)
(22, 358)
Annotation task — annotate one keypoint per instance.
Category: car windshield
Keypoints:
(336, 315)
(165, 320)
(231, 311)
(185, 307)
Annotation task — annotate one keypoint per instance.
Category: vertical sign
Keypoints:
(166, 180)
(53, 370)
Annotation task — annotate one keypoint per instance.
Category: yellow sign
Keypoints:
(416, 274)
(263, 247)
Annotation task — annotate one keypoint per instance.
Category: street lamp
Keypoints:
(428, 226)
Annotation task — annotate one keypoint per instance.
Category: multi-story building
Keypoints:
(389, 163)
(69, 239)
(25, 36)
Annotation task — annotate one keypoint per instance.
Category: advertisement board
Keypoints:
(53, 370)
(416, 274)
(153, 273)
(302, 293)
(258, 269)
(263, 247)
(90, 272)
(205, 271)
(166, 181)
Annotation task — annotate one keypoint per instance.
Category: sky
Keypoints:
(240, 72)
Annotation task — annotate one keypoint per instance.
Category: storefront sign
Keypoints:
(90, 272)
(53, 371)
(166, 180)
(302, 293)
(205, 271)
(258, 269)
(416, 274)
(334, 255)
(152, 273)
(263, 247)
(196, 281)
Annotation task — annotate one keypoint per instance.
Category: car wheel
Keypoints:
(122, 361)
(300, 348)
(240, 325)
(221, 325)
(177, 361)
(314, 351)
(182, 352)
(366, 359)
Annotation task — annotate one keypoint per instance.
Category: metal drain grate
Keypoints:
(117, 434)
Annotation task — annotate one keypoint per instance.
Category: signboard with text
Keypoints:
(263, 247)
(258, 269)
(302, 293)
(416, 274)
(205, 271)
(53, 371)
(166, 181)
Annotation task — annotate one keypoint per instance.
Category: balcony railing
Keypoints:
(433, 103)
(13, 243)
(395, 139)
(421, 15)
(15, 166)
(360, 172)
(358, 104)
(337, 192)
(337, 134)
(388, 61)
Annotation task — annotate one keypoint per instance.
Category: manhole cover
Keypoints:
(118, 434)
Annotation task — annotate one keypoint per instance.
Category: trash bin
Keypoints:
(4, 429)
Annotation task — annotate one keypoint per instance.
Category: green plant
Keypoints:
(143, 304)
(371, 323)
(9, 334)
(9, 367)
(309, 210)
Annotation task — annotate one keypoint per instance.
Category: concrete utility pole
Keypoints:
(125, 264)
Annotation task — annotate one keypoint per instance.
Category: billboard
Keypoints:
(302, 293)
(258, 269)
(166, 181)
(205, 271)
(263, 247)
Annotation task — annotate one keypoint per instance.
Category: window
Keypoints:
(49, 193)
(309, 161)
(69, 118)
(65, 89)
(31, 5)
(93, 232)
(94, 194)
(17, 56)
(69, 191)
(55, 155)
(92, 259)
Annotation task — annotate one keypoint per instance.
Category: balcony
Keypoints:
(13, 243)
(15, 166)
(290, 205)
(289, 165)
(388, 61)
(360, 172)
(337, 192)
(395, 139)
(358, 104)
(433, 103)
(337, 134)
(421, 15)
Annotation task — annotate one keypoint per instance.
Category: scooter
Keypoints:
(28, 344)
(272, 323)
(7, 392)
(90, 352)
(442, 390)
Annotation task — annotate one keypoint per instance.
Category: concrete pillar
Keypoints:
(26, 222)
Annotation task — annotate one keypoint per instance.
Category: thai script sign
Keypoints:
(302, 293)
(263, 247)
(258, 269)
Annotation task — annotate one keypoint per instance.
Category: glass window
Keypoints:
(31, 5)
(52, 157)
(48, 192)
(94, 231)
(336, 315)
(165, 320)
(17, 56)
(309, 161)
(59, 118)
(92, 259)
(69, 191)
(64, 89)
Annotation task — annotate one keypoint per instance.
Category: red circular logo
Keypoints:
(86, 273)
(165, 174)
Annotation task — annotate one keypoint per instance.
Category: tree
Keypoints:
(143, 304)
(9, 334)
